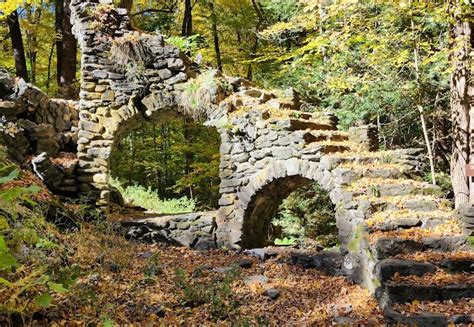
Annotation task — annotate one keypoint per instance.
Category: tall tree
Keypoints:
(17, 45)
(462, 94)
(215, 34)
(66, 48)
(33, 17)
(187, 29)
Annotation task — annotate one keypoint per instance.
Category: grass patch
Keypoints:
(147, 198)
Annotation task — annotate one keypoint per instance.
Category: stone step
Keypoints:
(414, 203)
(333, 161)
(405, 223)
(321, 136)
(407, 292)
(347, 176)
(387, 268)
(430, 313)
(335, 148)
(380, 187)
(386, 247)
(302, 124)
(317, 151)
(452, 262)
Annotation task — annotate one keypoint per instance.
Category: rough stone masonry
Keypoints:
(269, 148)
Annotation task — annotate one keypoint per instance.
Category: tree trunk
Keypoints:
(59, 40)
(187, 29)
(260, 23)
(50, 60)
(17, 45)
(462, 93)
(66, 48)
(127, 4)
(215, 35)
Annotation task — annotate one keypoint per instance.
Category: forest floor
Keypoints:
(129, 283)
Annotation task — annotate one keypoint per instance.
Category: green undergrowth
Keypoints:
(31, 252)
(150, 200)
(215, 293)
(306, 217)
(35, 272)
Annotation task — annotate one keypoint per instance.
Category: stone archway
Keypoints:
(264, 206)
(160, 155)
(257, 201)
(264, 136)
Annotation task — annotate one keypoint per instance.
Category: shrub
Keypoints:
(201, 93)
(307, 214)
(30, 248)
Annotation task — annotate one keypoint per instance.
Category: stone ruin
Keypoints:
(269, 148)
(44, 126)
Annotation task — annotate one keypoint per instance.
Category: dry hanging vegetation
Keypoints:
(129, 53)
(201, 93)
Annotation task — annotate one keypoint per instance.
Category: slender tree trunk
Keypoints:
(253, 53)
(462, 93)
(260, 23)
(34, 18)
(422, 111)
(59, 40)
(66, 49)
(188, 155)
(187, 29)
(17, 45)
(215, 35)
(50, 60)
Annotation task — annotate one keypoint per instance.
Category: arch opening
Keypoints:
(167, 164)
(290, 211)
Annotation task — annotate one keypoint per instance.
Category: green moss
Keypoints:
(353, 245)
(3, 223)
(470, 241)
(376, 282)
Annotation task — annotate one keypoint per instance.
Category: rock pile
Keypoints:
(45, 128)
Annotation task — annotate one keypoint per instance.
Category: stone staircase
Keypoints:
(414, 243)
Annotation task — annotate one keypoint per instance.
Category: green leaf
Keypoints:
(44, 300)
(7, 261)
(3, 244)
(285, 241)
(33, 189)
(5, 282)
(12, 176)
(108, 323)
(58, 288)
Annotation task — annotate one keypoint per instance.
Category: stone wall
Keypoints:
(193, 230)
